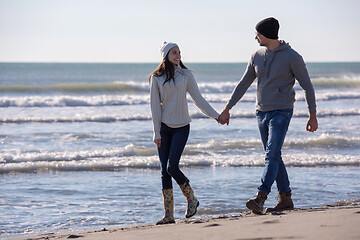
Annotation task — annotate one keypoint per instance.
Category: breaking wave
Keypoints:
(138, 99)
(147, 117)
(205, 154)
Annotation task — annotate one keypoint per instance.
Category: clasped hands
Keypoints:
(224, 117)
(311, 126)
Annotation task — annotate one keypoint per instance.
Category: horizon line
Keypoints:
(230, 62)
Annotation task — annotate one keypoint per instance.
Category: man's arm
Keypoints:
(301, 74)
(239, 91)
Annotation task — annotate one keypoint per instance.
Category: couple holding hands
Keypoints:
(275, 67)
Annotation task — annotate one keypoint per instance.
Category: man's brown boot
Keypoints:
(285, 203)
(257, 204)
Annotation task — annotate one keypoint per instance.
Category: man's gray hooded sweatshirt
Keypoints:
(276, 72)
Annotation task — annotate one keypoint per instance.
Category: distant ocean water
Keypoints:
(76, 148)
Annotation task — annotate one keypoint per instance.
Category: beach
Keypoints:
(330, 222)
(76, 150)
(77, 156)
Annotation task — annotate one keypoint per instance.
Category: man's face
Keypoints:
(261, 39)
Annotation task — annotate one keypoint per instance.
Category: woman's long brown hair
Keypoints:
(166, 68)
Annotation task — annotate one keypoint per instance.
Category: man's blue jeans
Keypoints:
(273, 126)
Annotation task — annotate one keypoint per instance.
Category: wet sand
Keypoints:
(330, 222)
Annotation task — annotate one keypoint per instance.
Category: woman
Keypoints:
(169, 84)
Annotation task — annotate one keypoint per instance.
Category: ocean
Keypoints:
(76, 148)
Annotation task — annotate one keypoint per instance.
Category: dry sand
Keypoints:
(331, 222)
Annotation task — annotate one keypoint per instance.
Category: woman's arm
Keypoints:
(199, 100)
(155, 105)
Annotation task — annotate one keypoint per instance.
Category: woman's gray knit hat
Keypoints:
(165, 48)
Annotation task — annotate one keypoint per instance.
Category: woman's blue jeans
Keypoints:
(273, 126)
(173, 141)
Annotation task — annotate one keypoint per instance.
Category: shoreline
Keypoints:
(328, 222)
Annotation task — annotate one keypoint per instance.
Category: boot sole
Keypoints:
(165, 223)
(269, 210)
(189, 216)
(253, 207)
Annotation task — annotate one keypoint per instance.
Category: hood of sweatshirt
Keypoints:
(269, 56)
(283, 45)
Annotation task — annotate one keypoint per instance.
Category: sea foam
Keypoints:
(197, 154)
(142, 99)
(108, 118)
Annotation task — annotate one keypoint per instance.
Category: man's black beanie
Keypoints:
(269, 28)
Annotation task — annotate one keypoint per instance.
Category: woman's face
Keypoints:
(174, 55)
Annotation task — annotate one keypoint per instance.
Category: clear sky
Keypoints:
(206, 30)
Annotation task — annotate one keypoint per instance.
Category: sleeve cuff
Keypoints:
(156, 135)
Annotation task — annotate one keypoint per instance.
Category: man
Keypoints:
(276, 67)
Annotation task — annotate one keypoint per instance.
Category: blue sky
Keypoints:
(206, 31)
